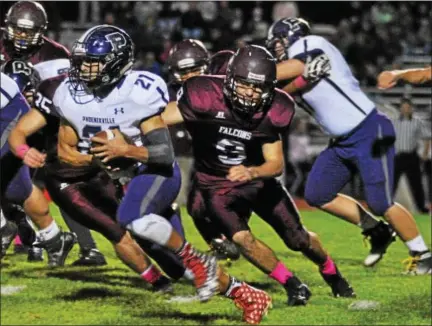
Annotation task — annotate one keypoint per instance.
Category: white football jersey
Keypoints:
(8, 90)
(336, 102)
(52, 68)
(139, 96)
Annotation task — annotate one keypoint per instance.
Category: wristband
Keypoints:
(22, 150)
(300, 82)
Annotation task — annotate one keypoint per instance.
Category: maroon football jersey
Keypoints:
(180, 137)
(219, 141)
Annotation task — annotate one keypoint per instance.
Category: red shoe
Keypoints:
(254, 303)
(204, 269)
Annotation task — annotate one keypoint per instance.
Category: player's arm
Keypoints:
(29, 123)
(158, 149)
(426, 149)
(172, 114)
(388, 79)
(67, 146)
(305, 73)
(272, 167)
(289, 69)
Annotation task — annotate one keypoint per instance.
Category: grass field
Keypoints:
(114, 295)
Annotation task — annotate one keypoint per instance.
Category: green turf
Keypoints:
(114, 295)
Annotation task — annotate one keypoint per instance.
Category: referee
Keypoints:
(409, 130)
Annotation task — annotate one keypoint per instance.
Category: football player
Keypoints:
(23, 40)
(362, 140)
(16, 185)
(236, 122)
(219, 62)
(37, 121)
(101, 92)
(186, 59)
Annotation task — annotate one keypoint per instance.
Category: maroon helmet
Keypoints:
(219, 62)
(250, 80)
(26, 22)
(188, 58)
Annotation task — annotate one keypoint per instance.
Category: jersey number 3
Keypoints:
(231, 152)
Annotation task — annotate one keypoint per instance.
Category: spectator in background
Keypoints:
(299, 156)
(146, 34)
(208, 11)
(382, 13)
(344, 36)
(192, 23)
(284, 9)
(257, 28)
(409, 130)
(147, 61)
(86, 7)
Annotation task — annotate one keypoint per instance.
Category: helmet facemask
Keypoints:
(248, 97)
(183, 74)
(23, 35)
(278, 46)
(90, 73)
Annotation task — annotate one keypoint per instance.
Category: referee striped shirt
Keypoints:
(408, 132)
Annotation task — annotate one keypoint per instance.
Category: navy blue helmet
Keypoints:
(283, 33)
(100, 57)
(23, 73)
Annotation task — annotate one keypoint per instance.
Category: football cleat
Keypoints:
(340, 287)
(58, 247)
(204, 269)
(420, 263)
(8, 233)
(254, 303)
(380, 237)
(90, 257)
(298, 292)
(20, 249)
(163, 285)
(35, 254)
(225, 249)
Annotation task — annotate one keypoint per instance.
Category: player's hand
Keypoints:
(239, 173)
(387, 79)
(29, 96)
(34, 159)
(317, 68)
(116, 147)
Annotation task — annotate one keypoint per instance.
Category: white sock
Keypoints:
(49, 232)
(3, 220)
(417, 244)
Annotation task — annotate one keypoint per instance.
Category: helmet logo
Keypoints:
(294, 26)
(256, 77)
(186, 62)
(117, 40)
(25, 23)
